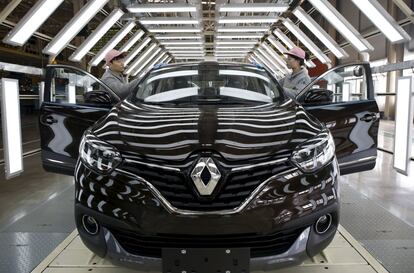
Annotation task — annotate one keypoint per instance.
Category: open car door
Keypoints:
(343, 99)
(73, 101)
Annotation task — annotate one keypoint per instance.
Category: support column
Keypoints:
(395, 54)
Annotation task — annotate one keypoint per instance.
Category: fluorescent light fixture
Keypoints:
(185, 51)
(235, 47)
(265, 63)
(189, 58)
(275, 56)
(12, 134)
(248, 19)
(168, 21)
(231, 51)
(136, 50)
(161, 58)
(271, 60)
(177, 42)
(142, 66)
(254, 7)
(236, 42)
(383, 20)
(239, 36)
(189, 47)
(132, 41)
(176, 36)
(346, 91)
(294, 29)
(41, 93)
(71, 93)
(139, 59)
(403, 124)
(98, 33)
(82, 17)
(279, 34)
(277, 44)
(242, 29)
(31, 22)
(174, 30)
(112, 43)
(150, 8)
(342, 25)
(320, 33)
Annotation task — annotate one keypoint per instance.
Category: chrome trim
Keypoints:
(153, 165)
(357, 161)
(172, 209)
(238, 169)
(294, 255)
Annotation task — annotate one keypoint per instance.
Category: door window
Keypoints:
(347, 83)
(72, 86)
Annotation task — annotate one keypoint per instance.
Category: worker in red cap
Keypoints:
(113, 76)
(299, 78)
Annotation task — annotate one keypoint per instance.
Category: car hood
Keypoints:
(234, 133)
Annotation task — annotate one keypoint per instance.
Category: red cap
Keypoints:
(113, 53)
(297, 52)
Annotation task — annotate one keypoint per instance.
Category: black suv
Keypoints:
(208, 159)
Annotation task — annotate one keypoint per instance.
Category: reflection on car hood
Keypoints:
(235, 133)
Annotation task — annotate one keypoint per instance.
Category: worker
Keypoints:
(113, 76)
(299, 78)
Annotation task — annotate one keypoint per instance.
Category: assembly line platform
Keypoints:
(343, 255)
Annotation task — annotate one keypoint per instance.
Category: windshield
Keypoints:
(209, 83)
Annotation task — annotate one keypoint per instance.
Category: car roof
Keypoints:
(206, 64)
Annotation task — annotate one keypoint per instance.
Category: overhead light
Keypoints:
(160, 59)
(132, 41)
(185, 51)
(174, 30)
(242, 29)
(236, 42)
(31, 22)
(272, 53)
(175, 37)
(112, 43)
(383, 20)
(187, 47)
(320, 33)
(144, 64)
(240, 36)
(234, 47)
(231, 51)
(265, 63)
(279, 34)
(342, 25)
(149, 8)
(168, 21)
(288, 43)
(254, 7)
(189, 58)
(247, 19)
(139, 59)
(136, 50)
(306, 41)
(98, 33)
(11, 122)
(177, 42)
(270, 59)
(82, 17)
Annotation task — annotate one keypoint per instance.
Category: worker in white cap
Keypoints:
(113, 76)
(299, 78)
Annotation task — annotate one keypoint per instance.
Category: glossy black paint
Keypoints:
(151, 197)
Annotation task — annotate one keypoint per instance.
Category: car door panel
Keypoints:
(355, 136)
(62, 124)
(353, 124)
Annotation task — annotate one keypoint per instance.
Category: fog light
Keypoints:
(90, 224)
(323, 224)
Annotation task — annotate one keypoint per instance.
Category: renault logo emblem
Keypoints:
(205, 176)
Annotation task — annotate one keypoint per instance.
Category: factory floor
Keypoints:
(377, 209)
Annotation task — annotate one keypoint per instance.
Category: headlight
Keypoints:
(98, 155)
(314, 153)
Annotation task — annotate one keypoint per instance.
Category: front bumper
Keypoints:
(290, 201)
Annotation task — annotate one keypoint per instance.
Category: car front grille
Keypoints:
(260, 245)
(236, 187)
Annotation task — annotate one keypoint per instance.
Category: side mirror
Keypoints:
(98, 97)
(318, 96)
